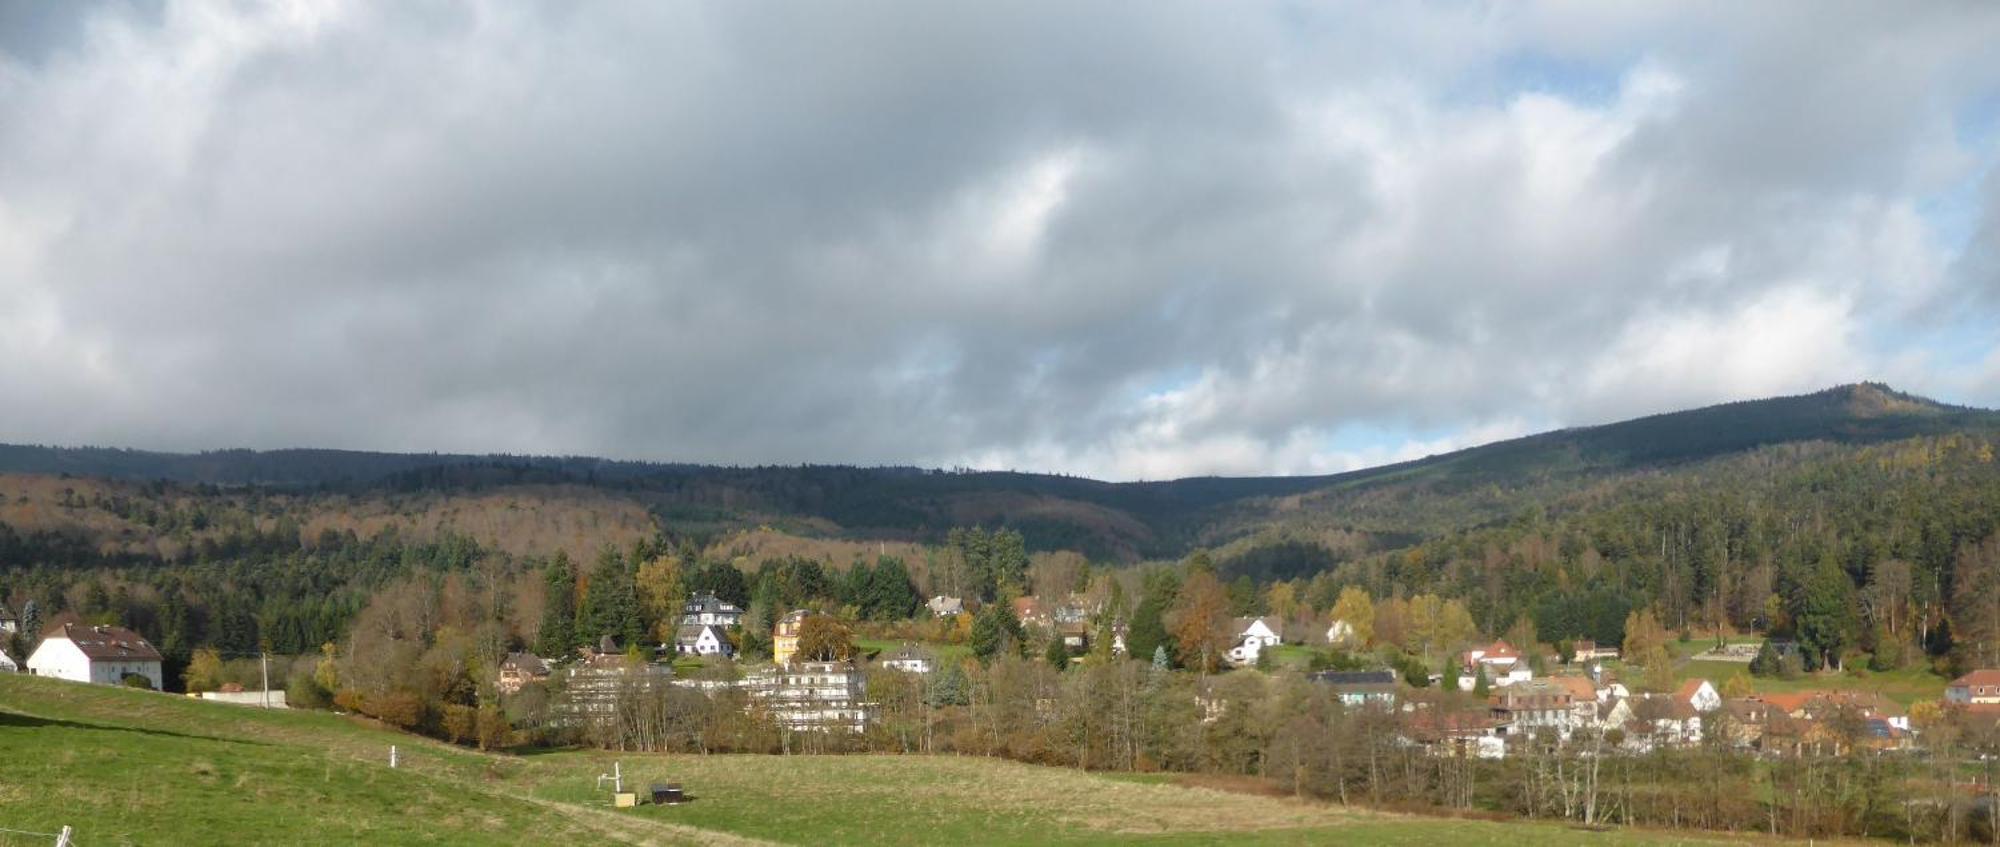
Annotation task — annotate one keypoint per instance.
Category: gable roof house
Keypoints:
(945, 607)
(1503, 665)
(1699, 695)
(1252, 636)
(706, 609)
(8, 623)
(702, 640)
(1359, 688)
(7, 664)
(100, 654)
(909, 659)
(1980, 686)
(1031, 611)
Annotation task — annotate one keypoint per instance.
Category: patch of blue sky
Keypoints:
(1592, 83)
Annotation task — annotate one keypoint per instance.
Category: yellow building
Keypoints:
(785, 637)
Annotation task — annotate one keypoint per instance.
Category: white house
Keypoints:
(1339, 633)
(101, 654)
(908, 659)
(703, 640)
(1252, 636)
(1502, 663)
(7, 663)
(8, 623)
(706, 609)
(1699, 695)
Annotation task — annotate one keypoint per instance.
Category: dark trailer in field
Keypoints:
(667, 793)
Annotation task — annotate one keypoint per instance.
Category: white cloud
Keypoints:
(973, 234)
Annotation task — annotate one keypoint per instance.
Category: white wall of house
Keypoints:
(62, 659)
(7, 664)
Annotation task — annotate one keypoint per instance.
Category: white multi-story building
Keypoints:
(100, 654)
(812, 695)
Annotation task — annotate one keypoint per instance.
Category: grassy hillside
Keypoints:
(128, 767)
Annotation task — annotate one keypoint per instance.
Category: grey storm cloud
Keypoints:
(1128, 240)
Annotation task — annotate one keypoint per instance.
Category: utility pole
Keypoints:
(266, 656)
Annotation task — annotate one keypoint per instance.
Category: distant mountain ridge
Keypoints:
(1121, 519)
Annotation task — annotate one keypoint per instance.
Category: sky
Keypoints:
(1130, 240)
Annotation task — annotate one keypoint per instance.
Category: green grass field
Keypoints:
(131, 767)
(943, 652)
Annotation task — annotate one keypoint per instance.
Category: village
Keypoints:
(1492, 702)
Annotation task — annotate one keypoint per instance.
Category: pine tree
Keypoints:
(995, 630)
(558, 633)
(1057, 654)
(612, 601)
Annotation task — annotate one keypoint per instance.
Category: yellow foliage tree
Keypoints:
(1355, 608)
(1200, 620)
(661, 593)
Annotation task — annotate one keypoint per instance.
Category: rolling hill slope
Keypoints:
(1106, 520)
(131, 767)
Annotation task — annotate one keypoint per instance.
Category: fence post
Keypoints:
(62, 839)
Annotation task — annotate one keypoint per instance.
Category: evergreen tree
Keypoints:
(995, 630)
(558, 633)
(1057, 654)
(613, 603)
(1160, 662)
(1824, 618)
(31, 623)
(1149, 627)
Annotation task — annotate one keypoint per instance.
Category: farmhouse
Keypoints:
(7, 664)
(945, 607)
(100, 654)
(702, 640)
(1980, 686)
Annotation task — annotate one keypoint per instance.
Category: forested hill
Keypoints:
(1113, 520)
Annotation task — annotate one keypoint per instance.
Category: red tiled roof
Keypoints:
(1578, 687)
(1686, 692)
(1985, 676)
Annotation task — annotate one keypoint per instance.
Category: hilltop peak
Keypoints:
(1875, 399)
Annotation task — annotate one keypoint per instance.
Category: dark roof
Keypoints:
(106, 643)
(906, 652)
(1353, 677)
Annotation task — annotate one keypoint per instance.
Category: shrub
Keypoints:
(133, 680)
